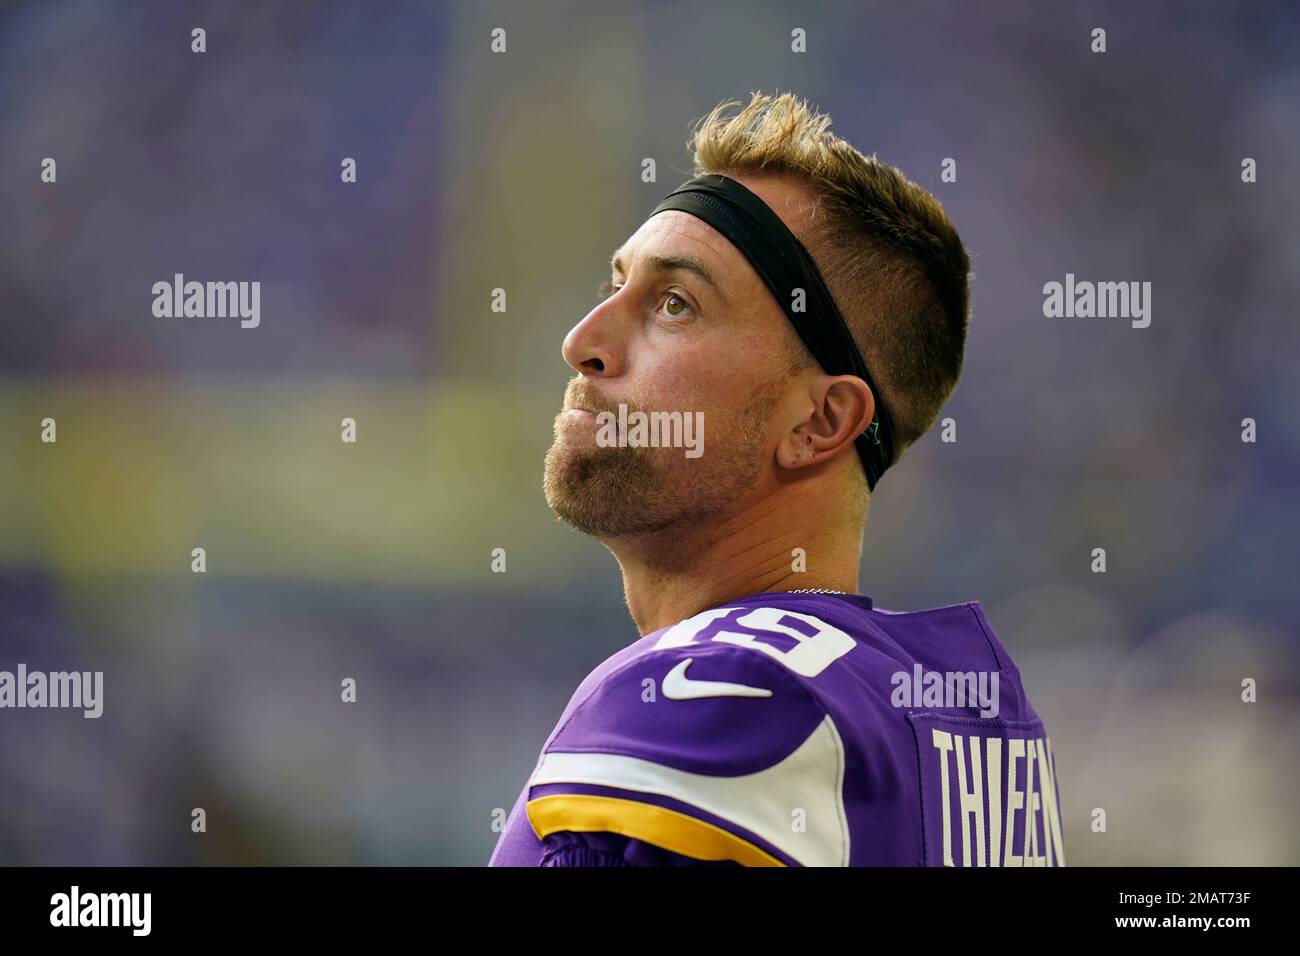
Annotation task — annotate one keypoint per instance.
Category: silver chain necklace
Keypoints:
(817, 591)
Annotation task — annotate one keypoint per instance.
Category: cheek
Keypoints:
(715, 377)
(701, 379)
(672, 383)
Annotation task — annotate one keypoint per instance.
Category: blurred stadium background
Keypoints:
(522, 171)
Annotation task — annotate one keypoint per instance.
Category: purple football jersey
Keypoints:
(798, 729)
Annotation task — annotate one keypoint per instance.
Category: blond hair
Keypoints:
(893, 263)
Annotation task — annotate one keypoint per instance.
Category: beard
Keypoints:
(610, 492)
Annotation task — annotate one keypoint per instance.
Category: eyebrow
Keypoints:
(657, 263)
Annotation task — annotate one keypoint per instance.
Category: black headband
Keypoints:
(783, 263)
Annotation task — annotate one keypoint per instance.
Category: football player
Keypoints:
(808, 304)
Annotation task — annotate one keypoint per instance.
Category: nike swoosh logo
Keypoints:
(677, 686)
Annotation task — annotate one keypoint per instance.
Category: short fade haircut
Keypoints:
(894, 264)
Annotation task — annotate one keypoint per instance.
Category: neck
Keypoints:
(672, 574)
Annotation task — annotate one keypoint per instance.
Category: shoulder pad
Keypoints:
(710, 750)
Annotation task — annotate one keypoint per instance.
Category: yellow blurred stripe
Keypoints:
(255, 472)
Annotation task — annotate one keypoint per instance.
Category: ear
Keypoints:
(841, 409)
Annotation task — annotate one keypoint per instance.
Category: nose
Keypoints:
(593, 347)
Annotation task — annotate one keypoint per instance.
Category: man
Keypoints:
(809, 305)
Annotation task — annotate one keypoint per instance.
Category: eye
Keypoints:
(607, 288)
(671, 296)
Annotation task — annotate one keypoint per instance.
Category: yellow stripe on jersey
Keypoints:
(811, 777)
(665, 828)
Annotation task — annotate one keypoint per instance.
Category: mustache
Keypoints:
(580, 394)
